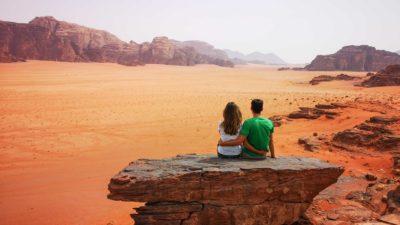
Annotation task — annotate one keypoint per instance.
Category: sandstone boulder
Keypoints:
(202, 189)
(278, 120)
(313, 143)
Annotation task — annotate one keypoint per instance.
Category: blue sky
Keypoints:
(296, 30)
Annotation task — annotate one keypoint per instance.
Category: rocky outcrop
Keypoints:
(45, 38)
(374, 133)
(390, 76)
(354, 200)
(163, 51)
(355, 58)
(316, 112)
(366, 195)
(393, 200)
(167, 51)
(324, 78)
(202, 189)
(313, 143)
(278, 120)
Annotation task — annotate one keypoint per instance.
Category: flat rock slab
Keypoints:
(203, 189)
(208, 178)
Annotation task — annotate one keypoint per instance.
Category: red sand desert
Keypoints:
(66, 128)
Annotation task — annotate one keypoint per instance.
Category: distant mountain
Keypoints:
(269, 58)
(398, 52)
(235, 54)
(45, 38)
(204, 48)
(237, 61)
(256, 57)
(355, 58)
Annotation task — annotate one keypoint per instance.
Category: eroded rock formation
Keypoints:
(359, 197)
(45, 38)
(390, 76)
(313, 143)
(355, 58)
(195, 189)
(316, 112)
(374, 133)
(324, 78)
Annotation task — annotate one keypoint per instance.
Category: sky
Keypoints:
(295, 30)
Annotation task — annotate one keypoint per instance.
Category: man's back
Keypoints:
(258, 131)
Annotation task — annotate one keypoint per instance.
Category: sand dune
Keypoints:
(66, 128)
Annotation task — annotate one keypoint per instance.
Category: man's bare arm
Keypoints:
(238, 141)
(250, 147)
(271, 146)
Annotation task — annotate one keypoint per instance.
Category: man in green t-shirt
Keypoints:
(255, 135)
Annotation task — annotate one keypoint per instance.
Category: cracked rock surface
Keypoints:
(202, 189)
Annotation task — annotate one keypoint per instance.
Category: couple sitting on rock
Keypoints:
(251, 140)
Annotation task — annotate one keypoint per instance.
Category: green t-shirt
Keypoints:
(258, 131)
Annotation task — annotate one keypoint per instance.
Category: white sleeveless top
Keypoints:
(228, 150)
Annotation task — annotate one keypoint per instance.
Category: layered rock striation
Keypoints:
(374, 133)
(45, 38)
(202, 189)
(355, 58)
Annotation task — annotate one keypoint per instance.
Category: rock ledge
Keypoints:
(202, 189)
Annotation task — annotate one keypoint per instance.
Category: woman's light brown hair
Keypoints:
(232, 118)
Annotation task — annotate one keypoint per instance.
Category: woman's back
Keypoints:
(228, 150)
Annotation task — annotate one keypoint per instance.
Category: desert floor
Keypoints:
(66, 128)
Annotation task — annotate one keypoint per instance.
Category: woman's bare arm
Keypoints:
(238, 141)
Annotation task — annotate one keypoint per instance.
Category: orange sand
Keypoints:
(66, 128)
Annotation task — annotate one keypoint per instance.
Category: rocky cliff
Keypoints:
(355, 58)
(201, 189)
(166, 51)
(45, 38)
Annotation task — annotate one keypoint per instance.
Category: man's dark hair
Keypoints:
(257, 105)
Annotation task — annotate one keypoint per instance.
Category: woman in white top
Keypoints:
(229, 129)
